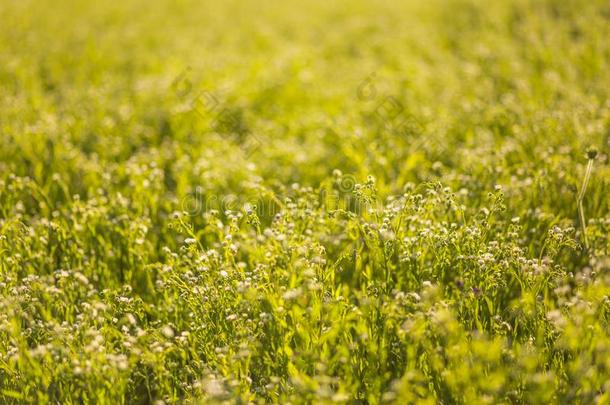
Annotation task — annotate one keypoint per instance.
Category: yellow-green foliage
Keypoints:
(306, 202)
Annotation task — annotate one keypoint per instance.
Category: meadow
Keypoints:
(304, 202)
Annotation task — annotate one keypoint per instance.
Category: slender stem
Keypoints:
(581, 196)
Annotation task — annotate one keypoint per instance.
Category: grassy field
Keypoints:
(304, 202)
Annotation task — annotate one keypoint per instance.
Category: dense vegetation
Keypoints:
(305, 202)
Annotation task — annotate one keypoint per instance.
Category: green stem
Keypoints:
(581, 196)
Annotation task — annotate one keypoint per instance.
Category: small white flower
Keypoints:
(167, 331)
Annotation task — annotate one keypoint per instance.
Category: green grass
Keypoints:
(304, 202)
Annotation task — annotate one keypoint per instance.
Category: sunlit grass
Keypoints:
(304, 202)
